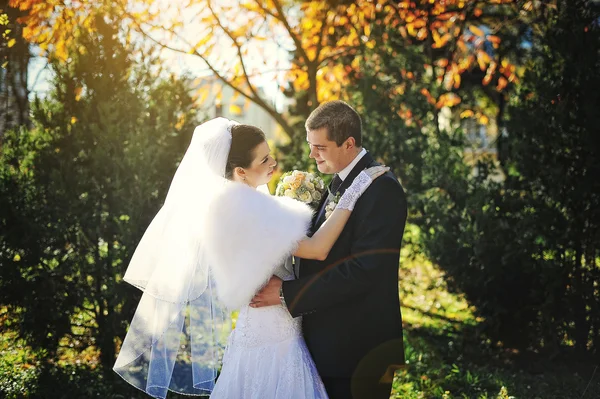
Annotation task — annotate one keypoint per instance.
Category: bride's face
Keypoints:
(261, 169)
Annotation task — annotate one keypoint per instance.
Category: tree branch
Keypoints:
(253, 97)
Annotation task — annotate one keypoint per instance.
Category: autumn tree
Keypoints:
(79, 188)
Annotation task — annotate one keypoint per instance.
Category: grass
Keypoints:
(447, 356)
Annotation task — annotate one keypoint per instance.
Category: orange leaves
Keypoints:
(428, 96)
(448, 100)
(502, 83)
(78, 92)
(52, 24)
(445, 100)
(495, 40)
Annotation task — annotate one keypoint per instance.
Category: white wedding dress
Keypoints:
(211, 248)
(266, 357)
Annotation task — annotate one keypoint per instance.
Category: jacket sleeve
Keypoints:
(380, 216)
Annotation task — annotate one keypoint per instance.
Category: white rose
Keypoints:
(309, 185)
(316, 195)
(288, 179)
(305, 197)
(290, 193)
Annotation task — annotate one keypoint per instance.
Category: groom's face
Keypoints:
(329, 157)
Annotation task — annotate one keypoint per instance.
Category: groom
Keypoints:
(349, 302)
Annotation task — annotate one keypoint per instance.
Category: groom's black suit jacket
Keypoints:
(349, 302)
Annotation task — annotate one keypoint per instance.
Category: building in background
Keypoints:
(217, 99)
(481, 138)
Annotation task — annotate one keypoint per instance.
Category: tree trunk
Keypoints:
(14, 100)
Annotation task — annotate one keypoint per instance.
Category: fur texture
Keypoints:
(248, 235)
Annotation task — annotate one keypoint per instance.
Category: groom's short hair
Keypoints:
(341, 120)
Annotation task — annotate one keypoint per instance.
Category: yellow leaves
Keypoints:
(476, 31)
(467, 114)
(480, 116)
(202, 42)
(53, 24)
(440, 41)
(483, 59)
(457, 79)
(73, 120)
(11, 42)
(60, 51)
(180, 121)
(235, 109)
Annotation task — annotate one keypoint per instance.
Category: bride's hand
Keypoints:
(359, 186)
(375, 171)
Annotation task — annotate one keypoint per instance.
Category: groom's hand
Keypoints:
(269, 295)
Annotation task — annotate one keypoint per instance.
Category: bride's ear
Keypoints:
(241, 173)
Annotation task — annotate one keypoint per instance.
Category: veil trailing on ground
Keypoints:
(177, 336)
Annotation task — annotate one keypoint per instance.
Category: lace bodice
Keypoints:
(262, 326)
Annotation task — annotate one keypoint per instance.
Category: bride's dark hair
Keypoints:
(244, 139)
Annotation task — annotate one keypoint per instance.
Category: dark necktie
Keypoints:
(335, 184)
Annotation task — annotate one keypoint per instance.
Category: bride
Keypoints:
(215, 242)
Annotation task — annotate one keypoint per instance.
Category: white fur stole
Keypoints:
(248, 235)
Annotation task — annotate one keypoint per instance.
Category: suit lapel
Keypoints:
(365, 161)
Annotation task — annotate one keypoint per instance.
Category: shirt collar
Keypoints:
(343, 174)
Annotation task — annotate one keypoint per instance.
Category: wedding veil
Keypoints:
(177, 335)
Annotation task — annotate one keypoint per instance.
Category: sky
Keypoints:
(264, 56)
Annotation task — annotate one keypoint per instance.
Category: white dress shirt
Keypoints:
(343, 174)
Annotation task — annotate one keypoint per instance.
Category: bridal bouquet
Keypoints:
(303, 186)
